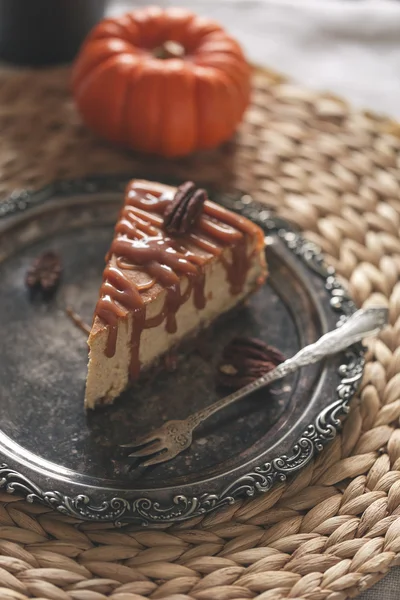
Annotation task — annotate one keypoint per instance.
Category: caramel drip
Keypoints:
(148, 217)
(233, 219)
(143, 198)
(238, 268)
(118, 297)
(131, 225)
(162, 263)
(140, 245)
(196, 283)
(128, 267)
(230, 224)
(205, 245)
(225, 235)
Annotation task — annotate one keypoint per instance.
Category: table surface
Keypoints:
(349, 48)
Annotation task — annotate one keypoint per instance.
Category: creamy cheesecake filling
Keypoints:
(108, 377)
(141, 245)
(159, 288)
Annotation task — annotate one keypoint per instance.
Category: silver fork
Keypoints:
(175, 436)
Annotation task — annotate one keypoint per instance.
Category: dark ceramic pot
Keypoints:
(45, 32)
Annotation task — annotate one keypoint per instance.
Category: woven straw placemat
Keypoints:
(332, 531)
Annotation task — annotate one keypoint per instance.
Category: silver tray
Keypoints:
(54, 453)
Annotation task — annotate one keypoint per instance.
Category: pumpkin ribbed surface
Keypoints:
(131, 89)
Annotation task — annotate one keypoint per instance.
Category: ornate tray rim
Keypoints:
(261, 478)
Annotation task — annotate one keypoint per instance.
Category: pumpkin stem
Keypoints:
(169, 49)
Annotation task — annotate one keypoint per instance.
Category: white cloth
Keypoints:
(351, 48)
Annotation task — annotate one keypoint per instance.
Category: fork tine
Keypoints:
(140, 441)
(159, 458)
(148, 450)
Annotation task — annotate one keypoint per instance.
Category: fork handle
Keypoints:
(358, 326)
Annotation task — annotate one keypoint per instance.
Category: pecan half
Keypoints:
(183, 212)
(45, 272)
(244, 360)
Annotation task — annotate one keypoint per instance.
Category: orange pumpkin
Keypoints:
(163, 81)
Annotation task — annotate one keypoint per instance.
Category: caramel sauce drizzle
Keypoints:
(140, 245)
(128, 267)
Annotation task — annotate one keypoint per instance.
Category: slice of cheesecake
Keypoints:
(177, 262)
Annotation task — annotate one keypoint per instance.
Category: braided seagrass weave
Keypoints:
(332, 531)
